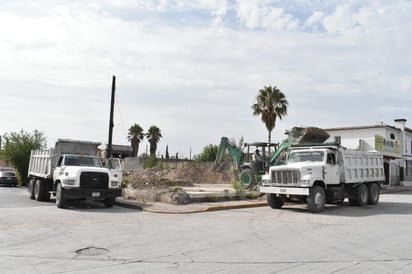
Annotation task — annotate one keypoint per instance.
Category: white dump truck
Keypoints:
(72, 170)
(324, 173)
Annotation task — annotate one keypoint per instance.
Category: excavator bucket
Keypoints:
(307, 135)
(236, 155)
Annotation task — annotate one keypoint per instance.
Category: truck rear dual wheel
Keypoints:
(361, 195)
(374, 191)
(316, 199)
(39, 190)
(31, 188)
(274, 202)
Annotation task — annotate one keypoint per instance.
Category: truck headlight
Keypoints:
(305, 182)
(70, 182)
(114, 183)
(266, 181)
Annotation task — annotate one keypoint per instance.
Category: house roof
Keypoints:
(368, 127)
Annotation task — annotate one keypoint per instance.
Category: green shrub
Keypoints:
(212, 198)
(125, 183)
(208, 154)
(252, 195)
(151, 162)
(239, 188)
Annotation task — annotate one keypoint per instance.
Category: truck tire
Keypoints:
(60, 200)
(39, 190)
(47, 189)
(362, 195)
(30, 188)
(374, 191)
(248, 178)
(108, 202)
(274, 202)
(316, 199)
(352, 197)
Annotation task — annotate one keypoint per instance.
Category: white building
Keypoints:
(395, 142)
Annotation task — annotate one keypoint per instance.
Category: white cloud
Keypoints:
(314, 19)
(197, 78)
(340, 21)
(255, 16)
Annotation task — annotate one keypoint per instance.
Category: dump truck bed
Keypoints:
(40, 164)
(363, 166)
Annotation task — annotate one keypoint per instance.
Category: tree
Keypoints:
(167, 152)
(270, 104)
(17, 148)
(153, 135)
(135, 136)
(208, 154)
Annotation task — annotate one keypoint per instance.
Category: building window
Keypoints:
(392, 136)
(408, 168)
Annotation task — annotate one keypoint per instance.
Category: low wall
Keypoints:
(136, 163)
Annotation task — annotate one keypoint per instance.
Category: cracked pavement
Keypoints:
(37, 237)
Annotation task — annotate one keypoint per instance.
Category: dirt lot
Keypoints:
(187, 175)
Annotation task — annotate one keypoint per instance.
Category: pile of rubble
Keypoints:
(188, 175)
(164, 184)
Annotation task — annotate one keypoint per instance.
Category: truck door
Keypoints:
(115, 167)
(58, 170)
(331, 169)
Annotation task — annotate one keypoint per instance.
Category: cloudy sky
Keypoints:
(194, 68)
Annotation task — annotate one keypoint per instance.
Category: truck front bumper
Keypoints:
(91, 193)
(285, 190)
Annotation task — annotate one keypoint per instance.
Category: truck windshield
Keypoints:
(82, 161)
(306, 156)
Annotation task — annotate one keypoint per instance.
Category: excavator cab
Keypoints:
(256, 162)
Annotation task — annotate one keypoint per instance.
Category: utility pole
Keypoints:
(111, 123)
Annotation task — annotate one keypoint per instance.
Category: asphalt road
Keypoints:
(37, 237)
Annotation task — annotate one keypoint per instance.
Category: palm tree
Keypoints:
(153, 135)
(270, 103)
(135, 136)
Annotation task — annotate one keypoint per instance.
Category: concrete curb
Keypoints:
(179, 209)
(225, 207)
(395, 189)
(120, 201)
(208, 209)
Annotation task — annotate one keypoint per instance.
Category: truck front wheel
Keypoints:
(108, 202)
(60, 200)
(274, 202)
(316, 199)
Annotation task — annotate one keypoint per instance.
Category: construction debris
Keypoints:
(187, 175)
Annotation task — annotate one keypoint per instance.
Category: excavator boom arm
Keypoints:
(235, 153)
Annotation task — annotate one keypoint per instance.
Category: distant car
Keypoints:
(8, 178)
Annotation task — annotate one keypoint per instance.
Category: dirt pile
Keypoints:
(156, 178)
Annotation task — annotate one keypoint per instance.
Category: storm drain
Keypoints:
(92, 251)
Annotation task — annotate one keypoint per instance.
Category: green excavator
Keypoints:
(248, 170)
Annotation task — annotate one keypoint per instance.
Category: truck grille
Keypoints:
(285, 177)
(94, 180)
